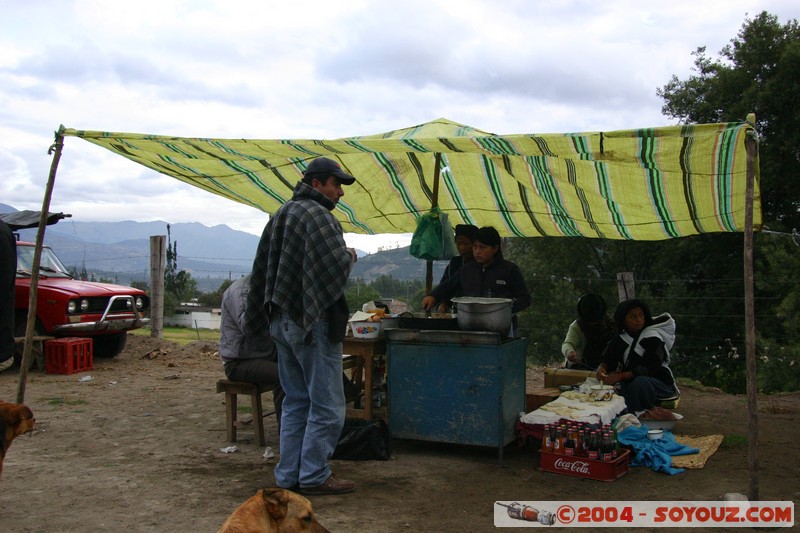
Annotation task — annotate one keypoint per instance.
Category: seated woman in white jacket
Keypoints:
(636, 361)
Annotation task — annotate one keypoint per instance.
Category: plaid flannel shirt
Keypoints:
(301, 264)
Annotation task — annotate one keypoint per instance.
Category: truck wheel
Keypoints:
(107, 346)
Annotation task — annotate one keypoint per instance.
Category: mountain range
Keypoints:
(121, 251)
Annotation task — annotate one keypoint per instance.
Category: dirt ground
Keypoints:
(138, 448)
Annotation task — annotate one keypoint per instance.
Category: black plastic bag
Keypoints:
(362, 440)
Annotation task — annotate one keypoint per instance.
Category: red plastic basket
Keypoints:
(583, 467)
(68, 355)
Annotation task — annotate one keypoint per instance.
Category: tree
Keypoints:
(171, 266)
(358, 293)
(177, 283)
(214, 299)
(758, 72)
(185, 287)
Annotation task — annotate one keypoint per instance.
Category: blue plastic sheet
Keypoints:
(656, 454)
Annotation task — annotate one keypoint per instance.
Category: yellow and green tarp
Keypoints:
(644, 184)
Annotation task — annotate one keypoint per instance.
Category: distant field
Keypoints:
(183, 335)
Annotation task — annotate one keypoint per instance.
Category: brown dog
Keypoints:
(15, 420)
(273, 511)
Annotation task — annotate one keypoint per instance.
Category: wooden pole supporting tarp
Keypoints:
(749, 317)
(55, 149)
(434, 203)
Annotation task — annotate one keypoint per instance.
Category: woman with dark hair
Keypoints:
(489, 275)
(636, 361)
(465, 235)
(588, 336)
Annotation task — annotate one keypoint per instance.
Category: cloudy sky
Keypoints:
(314, 69)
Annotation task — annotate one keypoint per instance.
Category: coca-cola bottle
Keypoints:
(606, 448)
(578, 440)
(547, 439)
(558, 441)
(593, 451)
(615, 444)
(569, 443)
(585, 441)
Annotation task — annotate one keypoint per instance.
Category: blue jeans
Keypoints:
(641, 392)
(310, 368)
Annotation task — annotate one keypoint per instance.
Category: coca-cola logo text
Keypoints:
(581, 467)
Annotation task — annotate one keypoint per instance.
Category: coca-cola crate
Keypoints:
(68, 355)
(583, 467)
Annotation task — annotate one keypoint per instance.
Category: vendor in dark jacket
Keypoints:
(465, 236)
(489, 275)
(636, 361)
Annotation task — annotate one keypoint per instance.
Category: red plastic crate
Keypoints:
(68, 355)
(583, 467)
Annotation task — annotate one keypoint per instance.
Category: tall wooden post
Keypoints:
(33, 296)
(434, 202)
(749, 316)
(157, 267)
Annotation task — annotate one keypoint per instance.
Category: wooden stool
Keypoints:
(37, 350)
(254, 390)
(358, 355)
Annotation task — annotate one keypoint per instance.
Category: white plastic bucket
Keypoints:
(365, 330)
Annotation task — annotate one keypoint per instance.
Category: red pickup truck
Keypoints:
(67, 307)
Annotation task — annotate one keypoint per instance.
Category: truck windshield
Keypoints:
(49, 264)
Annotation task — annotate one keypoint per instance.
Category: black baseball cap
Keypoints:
(328, 167)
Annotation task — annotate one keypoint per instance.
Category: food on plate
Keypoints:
(658, 413)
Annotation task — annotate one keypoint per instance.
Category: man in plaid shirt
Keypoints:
(297, 287)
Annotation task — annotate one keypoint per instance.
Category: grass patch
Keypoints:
(182, 336)
(245, 409)
(694, 384)
(733, 441)
(62, 401)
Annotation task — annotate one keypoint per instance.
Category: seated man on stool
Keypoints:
(252, 358)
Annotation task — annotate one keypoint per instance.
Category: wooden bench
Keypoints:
(232, 389)
(555, 377)
(37, 351)
(535, 398)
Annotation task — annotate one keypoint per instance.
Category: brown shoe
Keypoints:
(330, 486)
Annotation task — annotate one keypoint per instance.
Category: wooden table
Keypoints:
(359, 356)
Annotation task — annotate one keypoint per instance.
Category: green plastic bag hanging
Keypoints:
(448, 237)
(433, 239)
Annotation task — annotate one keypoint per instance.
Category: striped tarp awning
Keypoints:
(645, 184)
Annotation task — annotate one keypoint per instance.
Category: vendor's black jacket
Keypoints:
(452, 268)
(500, 279)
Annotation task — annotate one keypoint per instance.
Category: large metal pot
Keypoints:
(483, 314)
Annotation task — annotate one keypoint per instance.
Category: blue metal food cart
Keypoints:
(461, 387)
